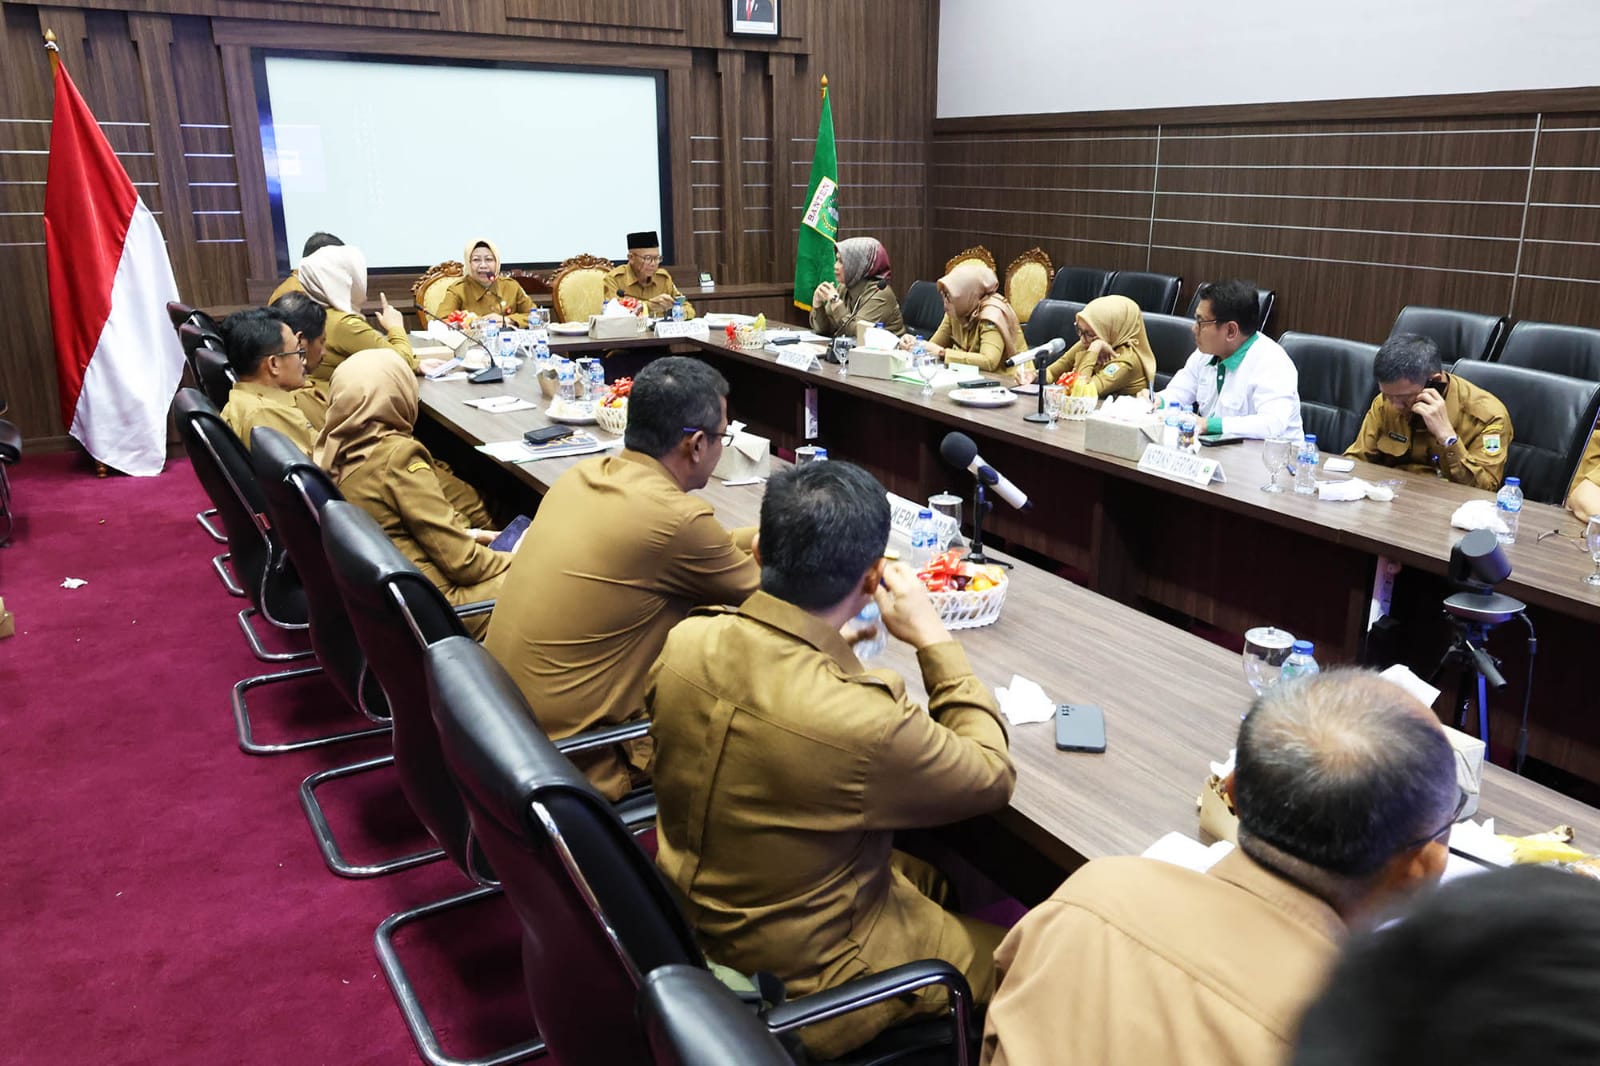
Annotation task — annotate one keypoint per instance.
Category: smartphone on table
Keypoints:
(1080, 727)
(1217, 440)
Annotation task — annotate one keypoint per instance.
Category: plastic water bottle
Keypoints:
(1188, 426)
(919, 349)
(1508, 501)
(924, 539)
(1173, 430)
(872, 645)
(567, 379)
(508, 361)
(597, 379)
(541, 352)
(1305, 467)
(1300, 663)
(677, 309)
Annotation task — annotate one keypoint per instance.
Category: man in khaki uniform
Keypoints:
(292, 282)
(309, 322)
(642, 277)
(1583, 495)
(1346, 790)
(269, 367)
(1428, 421)
(783, 766)
(484, 291)
(617, 554)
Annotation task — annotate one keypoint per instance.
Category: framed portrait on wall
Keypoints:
(753, 18)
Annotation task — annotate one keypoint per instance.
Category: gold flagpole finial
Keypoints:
(51, 47)
(824, 85)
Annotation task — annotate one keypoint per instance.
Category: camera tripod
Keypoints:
(1472, 617)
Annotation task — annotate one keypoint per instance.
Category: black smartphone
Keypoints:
(1080, 727)
(1217, 440)
(546, 434)
(511, 534)
(1440, 384)
(980, 383)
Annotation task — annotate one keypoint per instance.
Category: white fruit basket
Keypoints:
(612, 419)
(969, 610)
(750, 336)
(1077, 408)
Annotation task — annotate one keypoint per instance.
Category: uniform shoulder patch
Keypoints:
(1112, 370)
(416, 465)
(1491, 443)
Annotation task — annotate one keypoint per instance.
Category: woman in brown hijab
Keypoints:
(367, 448)
(859, 291)
(979, 326)
(1113, 356)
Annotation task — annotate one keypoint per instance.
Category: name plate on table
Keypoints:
(799, 359)
(1179, 465)
(694, 328)
(903, 512)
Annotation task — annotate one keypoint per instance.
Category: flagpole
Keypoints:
(55, 52)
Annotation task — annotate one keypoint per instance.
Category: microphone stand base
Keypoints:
(1041, 419)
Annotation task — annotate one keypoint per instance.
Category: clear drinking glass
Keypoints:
(927, 369)
(1275, 455)
(1266, 649)
(1055, 398)
(1591, 537)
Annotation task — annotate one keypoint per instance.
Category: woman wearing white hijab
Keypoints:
(336, 277)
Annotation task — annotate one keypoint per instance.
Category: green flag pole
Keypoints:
(819, 225)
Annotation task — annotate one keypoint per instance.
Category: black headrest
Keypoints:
(1552, 416)
(1459, 334)
(1171, 338)
(1570, 350)
(1078, 284)
(1051, 319)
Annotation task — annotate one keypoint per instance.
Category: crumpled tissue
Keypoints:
(1353, 489)
(1125, 409)
(1478, 514)
(1023, 701)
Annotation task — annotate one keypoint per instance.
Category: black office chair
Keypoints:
(10, 455)
(1570, 350)
(923, 308)
(692, 1019)
(592, 902)
(1459, 334)
(1079, 284)
(1172, 340)
(1552, 416)
(265, 576)
(1266, 300)
(1052, 319)
(213, 374)
(182, 314)
(295, 490)
(1154, 293)
(1337, 386)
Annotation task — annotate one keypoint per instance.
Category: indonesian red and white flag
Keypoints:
(118, 359)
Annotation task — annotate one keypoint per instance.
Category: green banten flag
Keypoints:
(819, 226)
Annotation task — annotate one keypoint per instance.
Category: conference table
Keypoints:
(1172, 699)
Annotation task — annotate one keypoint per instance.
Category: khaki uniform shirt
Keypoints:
(621, 279)
(1589, 465)
(982, 347)
(783, 768)
(312, 400)
(616, 556)
(286, 286)
(864, 303)
(251, 404)
(349, 333)
(397, 485)
(1391, 438)
(1123, 374)
(1134, 962)
(505, 298)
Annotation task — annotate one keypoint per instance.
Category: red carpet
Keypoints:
(163, 899)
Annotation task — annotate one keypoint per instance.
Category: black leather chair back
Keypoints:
(1570, 350)
(923, 308)
(1079, 284)
(695, 1020)
(296, 490)
(397, 615)
(1459, 334)
(191, 336)
(223, 467)
(178, 312)
(1266, 300)
(1155, 294)
(1337, 386)
(1053, 318)
(590, 901)
(1172, 339)
(1552, 416)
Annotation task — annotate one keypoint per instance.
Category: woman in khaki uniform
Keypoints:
(336, 278)
(483, 291)
(1113, 356)
(859, 291)
(979, 326)
(367, 448)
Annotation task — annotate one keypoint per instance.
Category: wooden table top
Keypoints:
(1172, 700)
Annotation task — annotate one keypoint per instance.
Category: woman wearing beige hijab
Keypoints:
(484, 291)
(1113, 356)
(979, 326)
(336, 277)
(367, 448)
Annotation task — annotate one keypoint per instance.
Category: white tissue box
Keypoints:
(1125, 440)
(882, 363)
(615, 327)
(747, 457)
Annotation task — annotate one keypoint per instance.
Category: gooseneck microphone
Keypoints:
(959, 450)
(1050, 349)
